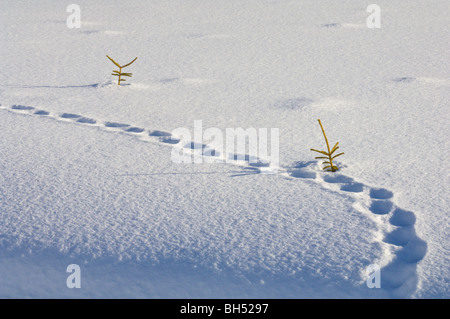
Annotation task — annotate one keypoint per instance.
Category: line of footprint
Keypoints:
(164, 137)
(189, 148)
(398, 277)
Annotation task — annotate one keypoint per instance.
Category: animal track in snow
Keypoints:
(42, 112)
(22, 107)
(159, 133)
(380, 193)
(352, 187)
(116, 125)
(188, 147)
(135, 129)
(69, 116)
(399, 276)
(164, 137)
(86, 120)
(337, 178)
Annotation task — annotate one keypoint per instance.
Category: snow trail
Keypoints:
(404, 249)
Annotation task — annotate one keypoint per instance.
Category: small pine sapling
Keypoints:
(328, 155)
(119, 73)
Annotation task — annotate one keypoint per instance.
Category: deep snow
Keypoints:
(77, 188)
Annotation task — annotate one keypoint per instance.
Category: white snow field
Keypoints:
(87, 175)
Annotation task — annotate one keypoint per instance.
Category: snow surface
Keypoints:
(86, 175)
